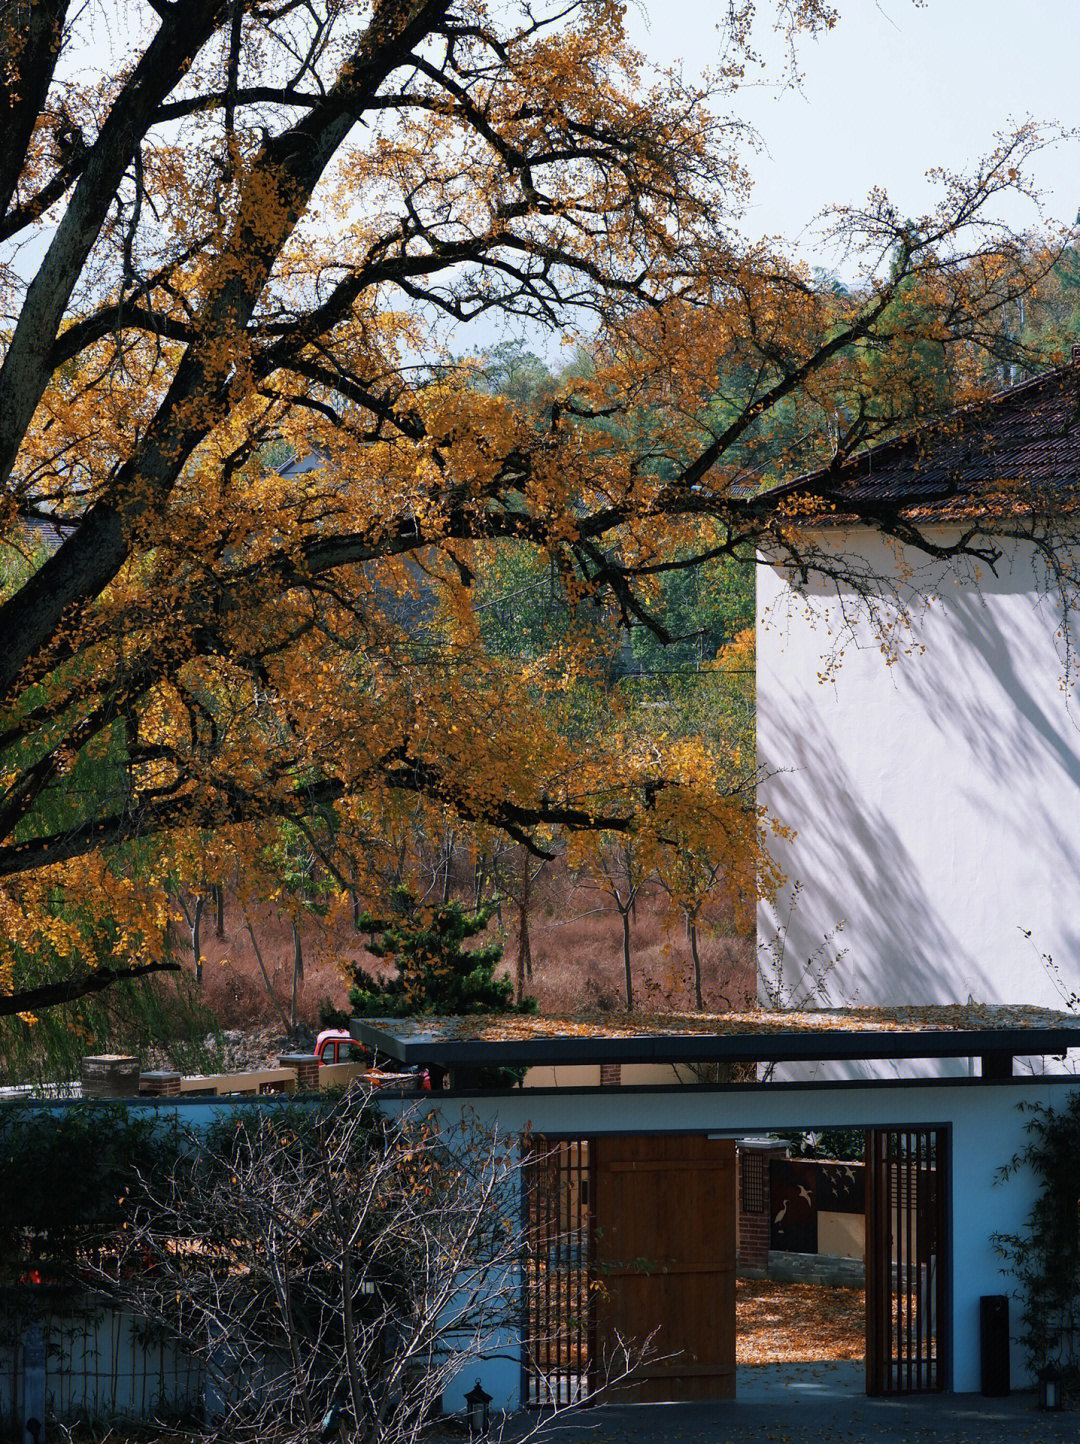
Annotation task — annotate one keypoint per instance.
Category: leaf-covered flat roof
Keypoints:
(945, 1030)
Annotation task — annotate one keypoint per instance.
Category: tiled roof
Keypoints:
(38, 533)
(1027, 438)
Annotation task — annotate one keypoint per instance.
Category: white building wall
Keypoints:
(935, 800)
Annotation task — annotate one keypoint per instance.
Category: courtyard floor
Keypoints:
(821, 1404)
(786, 1323)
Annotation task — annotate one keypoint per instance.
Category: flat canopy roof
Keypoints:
(942, 1031)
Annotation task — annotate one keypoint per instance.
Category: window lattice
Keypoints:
(753, 1182)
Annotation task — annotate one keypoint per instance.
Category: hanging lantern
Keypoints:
(1051, 1394)
(478, 1407)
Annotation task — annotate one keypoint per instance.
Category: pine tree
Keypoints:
(436, 974)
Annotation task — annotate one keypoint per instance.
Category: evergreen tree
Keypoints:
(436, 974)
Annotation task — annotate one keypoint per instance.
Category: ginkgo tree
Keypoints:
(242, 230)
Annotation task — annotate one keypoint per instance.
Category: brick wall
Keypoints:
(752, 1185)
(307, 1070)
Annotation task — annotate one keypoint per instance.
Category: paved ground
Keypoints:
(821, 1404)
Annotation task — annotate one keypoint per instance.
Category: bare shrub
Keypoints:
(333, 1262)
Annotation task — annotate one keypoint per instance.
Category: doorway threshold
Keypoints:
(818, 1380)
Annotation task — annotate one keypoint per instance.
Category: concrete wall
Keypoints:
(934, 798)
(841, 1235)
(588, 1075)
(99, 1364)
(987, 1129)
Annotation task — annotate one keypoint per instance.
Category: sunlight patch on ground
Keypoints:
(785, 1323)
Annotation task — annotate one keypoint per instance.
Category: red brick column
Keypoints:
(161, 1083)
(753, 1212)
(610, 1075)
(307, 1070)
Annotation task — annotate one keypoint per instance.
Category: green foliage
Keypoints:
(1045, 1257)
(436, 974)
(160, 1012)
(703, 607)
(508, 369)
(846, 1144)
(68, 1173)
(331, 1016)
(522, 607)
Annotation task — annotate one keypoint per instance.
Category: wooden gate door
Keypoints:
(664, 1241)
(907, 1260)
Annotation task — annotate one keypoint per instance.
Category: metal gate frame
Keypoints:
(909, 1262)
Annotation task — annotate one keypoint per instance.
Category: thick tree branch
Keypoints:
(25, 371)
(54, 995)
(31, 35)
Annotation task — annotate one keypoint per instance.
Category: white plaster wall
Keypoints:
(936, 801)
(987, 1129)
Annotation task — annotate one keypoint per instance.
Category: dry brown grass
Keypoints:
(576, 942)
(233, 986)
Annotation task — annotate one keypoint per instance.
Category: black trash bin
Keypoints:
(994, 1344)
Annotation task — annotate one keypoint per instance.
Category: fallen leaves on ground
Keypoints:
(785, 1323)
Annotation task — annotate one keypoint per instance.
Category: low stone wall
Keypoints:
(299, 1072)
(257, 1080)
(816, 1268)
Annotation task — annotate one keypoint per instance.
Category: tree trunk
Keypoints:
(625, 915)
(692, 923)
(297, 953)
(479, 880)
(297, 969)
(196, 945)
(449, 843)
(265, 975)
(525, 967)
(524, 958)
(296, 972)
(524, 961)
(219, 904)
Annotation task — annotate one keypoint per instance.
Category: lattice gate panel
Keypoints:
(907, 1263)
(560, 1326)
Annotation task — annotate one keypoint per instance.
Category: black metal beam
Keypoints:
(997, 1064)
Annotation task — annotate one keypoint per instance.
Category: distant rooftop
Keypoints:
(944, 1031)
(1026, 438)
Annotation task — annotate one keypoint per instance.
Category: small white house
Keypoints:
(918, 729)
(631, 1205)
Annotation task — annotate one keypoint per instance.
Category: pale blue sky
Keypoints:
(893, 89)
